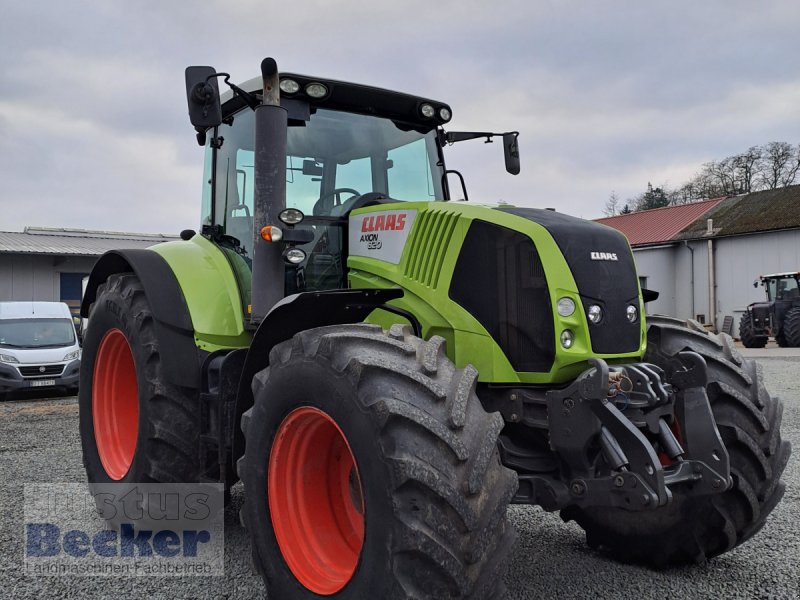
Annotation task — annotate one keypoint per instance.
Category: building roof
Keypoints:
(74, 242)
(769, 210)
(659, 225)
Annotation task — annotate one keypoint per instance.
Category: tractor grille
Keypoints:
(41, 370)
(500, 280)
(428, 246)
(611, 284)
(761, 316)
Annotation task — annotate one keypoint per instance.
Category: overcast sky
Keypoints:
(606, 95)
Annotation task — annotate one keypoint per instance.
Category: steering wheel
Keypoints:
(336, 194)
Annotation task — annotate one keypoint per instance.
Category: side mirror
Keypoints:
(649, 295)
(511, 151)
(755, 283)
(202, 94)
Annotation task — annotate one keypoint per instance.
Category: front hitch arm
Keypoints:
(578, 415)
(584, 423)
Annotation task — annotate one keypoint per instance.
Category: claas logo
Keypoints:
(604, 256)
(390, 222)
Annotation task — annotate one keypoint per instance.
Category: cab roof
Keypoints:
(350, 97)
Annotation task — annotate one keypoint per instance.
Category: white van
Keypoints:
(38, 347)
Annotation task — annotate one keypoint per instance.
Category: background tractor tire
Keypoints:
(780, 339)
(372, 469)
(135, 425)
(693, 529)
(748, 336)
(791, 328)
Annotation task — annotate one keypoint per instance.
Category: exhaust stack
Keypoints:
(269, 194)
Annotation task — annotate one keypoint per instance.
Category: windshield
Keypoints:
(36, 333)
(332, 160)
(783, 289)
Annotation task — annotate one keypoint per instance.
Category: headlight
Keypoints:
(316, 90)
(72, 355)
(291, 216)
(427, 110)
(595, 313)
(566, 339)
(7, 358)
(445, 114)
(565, 307)
(289, 86)
(632, 313)
(294, 256)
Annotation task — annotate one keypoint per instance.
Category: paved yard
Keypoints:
(39, 443)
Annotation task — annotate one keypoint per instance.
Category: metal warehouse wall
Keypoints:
(674, 272)
(658, 266)
(37, 277)
(741, 259)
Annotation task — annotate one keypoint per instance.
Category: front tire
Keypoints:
(383, 449)
(791, 328)
(748, 336)
(135, 425)
(694, 528)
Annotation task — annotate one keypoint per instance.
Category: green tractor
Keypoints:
(386, 368)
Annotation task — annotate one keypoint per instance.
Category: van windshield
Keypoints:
(36, 333)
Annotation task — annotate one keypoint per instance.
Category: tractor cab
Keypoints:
(782, 286)
(336, 161)
(348, 146)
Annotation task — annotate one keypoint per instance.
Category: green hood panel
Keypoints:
(425, 270)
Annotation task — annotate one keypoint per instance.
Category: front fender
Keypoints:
(207, 281)
(173, 322)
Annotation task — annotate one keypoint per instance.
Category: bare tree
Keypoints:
(781, 162)
(611, 204)
(747, 167)
(685, 194)
(770, 166)
(723, 175)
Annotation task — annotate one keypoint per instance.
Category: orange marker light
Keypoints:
(270, 233)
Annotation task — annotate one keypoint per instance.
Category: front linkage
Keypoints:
(624, 437)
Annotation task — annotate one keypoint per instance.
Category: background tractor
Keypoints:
(387, 368)
(779, 316)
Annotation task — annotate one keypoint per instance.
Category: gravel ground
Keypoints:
(39, 443)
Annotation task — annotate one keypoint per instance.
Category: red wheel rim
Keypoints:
(115, 404)
(315, 500)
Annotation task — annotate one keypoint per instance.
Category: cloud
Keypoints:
(607, 95)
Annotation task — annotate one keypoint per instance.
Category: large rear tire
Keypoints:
(371, 470)
(135, 425)
(791, 328)
(693, 529)
(748, 336)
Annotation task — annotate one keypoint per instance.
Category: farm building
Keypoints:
(744, 236)
(49, 264)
